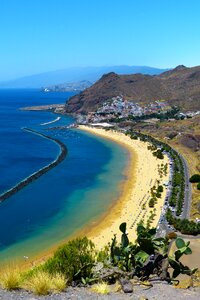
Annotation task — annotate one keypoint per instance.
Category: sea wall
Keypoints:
(36, 175)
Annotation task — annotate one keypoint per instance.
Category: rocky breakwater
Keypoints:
(36, 175)
(56, 108)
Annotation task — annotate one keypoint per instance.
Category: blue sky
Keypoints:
(44, 35)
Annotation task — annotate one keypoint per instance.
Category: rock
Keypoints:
(115, 287)
(127, 286)
(185, 283)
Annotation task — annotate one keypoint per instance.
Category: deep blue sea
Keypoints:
(65, 199)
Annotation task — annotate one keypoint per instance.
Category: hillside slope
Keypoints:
(180, 86)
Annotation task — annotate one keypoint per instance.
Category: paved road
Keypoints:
(163, 227)
(188, 190)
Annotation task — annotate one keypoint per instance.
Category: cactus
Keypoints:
(149, 243)
(179, 268)
(121, 255)
(183, 248)
(140, 258)
(137, 257)
(114, 250)
(124, 237)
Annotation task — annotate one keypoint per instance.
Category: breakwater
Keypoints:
(40, 172)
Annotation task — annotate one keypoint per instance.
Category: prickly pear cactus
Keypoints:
(124, 237)
(179, 268)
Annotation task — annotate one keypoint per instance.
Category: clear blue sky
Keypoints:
(44, 35)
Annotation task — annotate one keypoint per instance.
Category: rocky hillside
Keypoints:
(180, 86)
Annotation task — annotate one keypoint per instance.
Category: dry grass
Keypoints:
(58, 282)
(101, 288)
(42, 283)
(196, 279)
(10, 278)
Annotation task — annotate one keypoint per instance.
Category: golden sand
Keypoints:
(132, 207)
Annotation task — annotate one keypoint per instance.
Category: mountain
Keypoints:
(179, 86)
(68, 86)
(73, 75)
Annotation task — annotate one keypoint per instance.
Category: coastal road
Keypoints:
(163, 227)
(188, 190)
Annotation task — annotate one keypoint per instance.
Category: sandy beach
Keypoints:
(132, 207)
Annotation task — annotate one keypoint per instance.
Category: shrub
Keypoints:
(103, 255)
(134, 137)
(151, 202)
(195, 178)
(10, 278)
(158, 154)
(198, 186)
(160, 189)
(74, 260)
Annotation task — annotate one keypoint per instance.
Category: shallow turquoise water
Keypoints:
(64, 200)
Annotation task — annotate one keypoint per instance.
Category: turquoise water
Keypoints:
(67, 198)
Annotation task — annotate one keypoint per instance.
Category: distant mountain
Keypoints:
(68, 86)
(73, 75)
(180, 86)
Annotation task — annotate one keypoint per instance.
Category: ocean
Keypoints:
(70, 196)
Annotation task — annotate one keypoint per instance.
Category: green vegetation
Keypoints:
(158, 154)
(152, 202)
(162, 170)
(176, 199)
(155, 194)
(74, 260)
(185, 226)
(148, 254)
(151, 217)
(195, 178)
(178, 180)
(78, 263)
(179, 268)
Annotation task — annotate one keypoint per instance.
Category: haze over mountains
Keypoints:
(75, 74)
(180, 86)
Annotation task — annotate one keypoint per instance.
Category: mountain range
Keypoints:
(179, 86)
(77, 86)
(73, 75)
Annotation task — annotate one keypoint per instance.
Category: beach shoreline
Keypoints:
(132, 205)
(140, 175)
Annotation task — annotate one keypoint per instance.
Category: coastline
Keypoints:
(132, 205)
(140, 176)
(40, 172)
